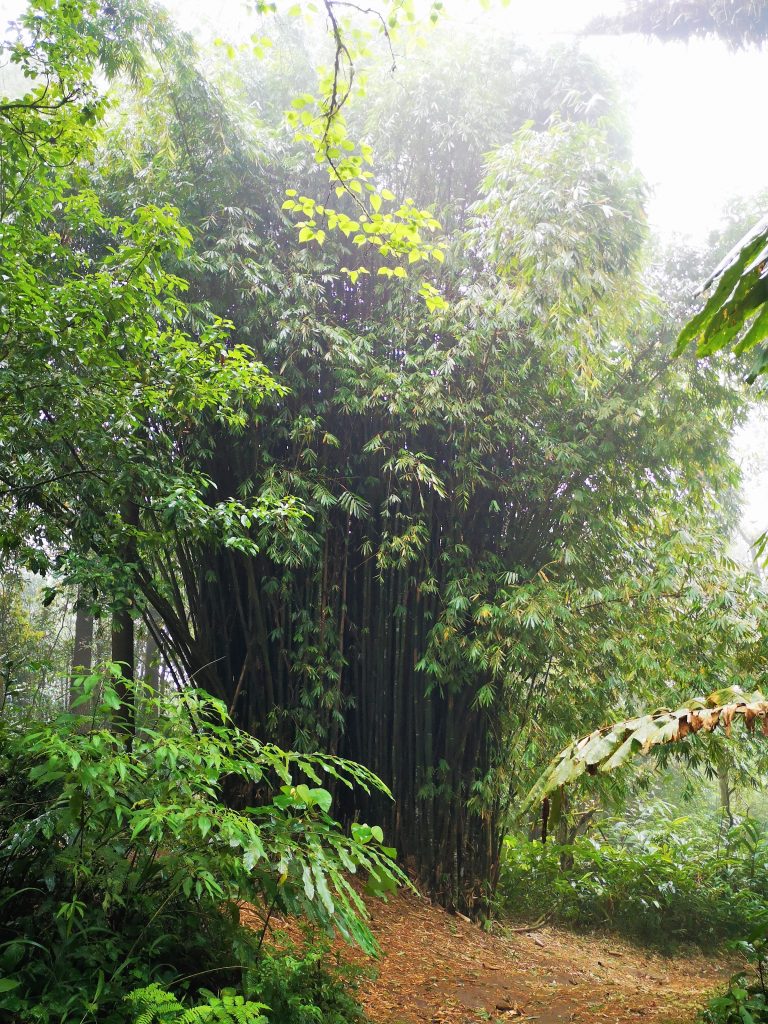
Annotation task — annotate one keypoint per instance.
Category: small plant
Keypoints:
(745, 1001)
(155, 1005)
(739, 1005)
(300, 986)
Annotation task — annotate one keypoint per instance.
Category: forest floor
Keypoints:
(437, 968)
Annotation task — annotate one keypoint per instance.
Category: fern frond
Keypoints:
(153, 1005)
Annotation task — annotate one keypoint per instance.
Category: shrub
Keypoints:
(121, 866)
(301, 988)
(291, 988)
(676, 885)
(744, 1002)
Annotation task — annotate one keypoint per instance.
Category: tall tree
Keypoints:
(364, 527)
(98, 382)
(525, 439)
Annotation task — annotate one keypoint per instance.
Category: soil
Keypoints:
(438, 968)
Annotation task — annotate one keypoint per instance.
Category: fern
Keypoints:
(228, 1009)
(154, 1005)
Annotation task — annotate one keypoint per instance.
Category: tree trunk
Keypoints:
(123, 644)
(123, 655)
(725, 792)
(82, 650)
(151, 663)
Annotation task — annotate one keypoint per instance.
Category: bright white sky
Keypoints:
(695, 108)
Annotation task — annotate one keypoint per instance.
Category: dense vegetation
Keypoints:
(118, 860)
(662, 881)
(418, 487)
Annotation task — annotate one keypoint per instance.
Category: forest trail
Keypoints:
(440, 969)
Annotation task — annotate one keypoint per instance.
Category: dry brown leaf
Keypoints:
(726, 717)
(683, 727)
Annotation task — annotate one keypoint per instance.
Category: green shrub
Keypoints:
(301, 988)
(674, 885)
(292, 987)
(745, 1001)
(121, 866)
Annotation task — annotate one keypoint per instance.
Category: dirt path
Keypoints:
(440, 969)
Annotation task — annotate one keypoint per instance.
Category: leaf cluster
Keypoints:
(735, 315)
(609, 747)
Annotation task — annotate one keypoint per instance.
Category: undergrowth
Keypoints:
(677, 883)
(289, 987)
(122, 868)
(746, 999)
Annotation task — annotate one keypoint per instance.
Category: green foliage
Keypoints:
(513, 513)
(741, 1004)
(397, 229)
(300, 986)
(35, 647)
(292, 987)
(353, 521)
(121, 864)
(435, 121)
(736, 313)
(591, 204)
(746, 999)
(665, 883)
(99, 382)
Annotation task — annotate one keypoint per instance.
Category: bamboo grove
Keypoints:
(437, 524)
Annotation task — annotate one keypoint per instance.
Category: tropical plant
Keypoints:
(489, 491)
(121, 865)
(98, 382)
(736, 313)
(154, 1005)
(666, 881)
(746, 999)
(608, 747)
(363, 527)
(308, 984)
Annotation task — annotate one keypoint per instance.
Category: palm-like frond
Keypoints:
(612, 745)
